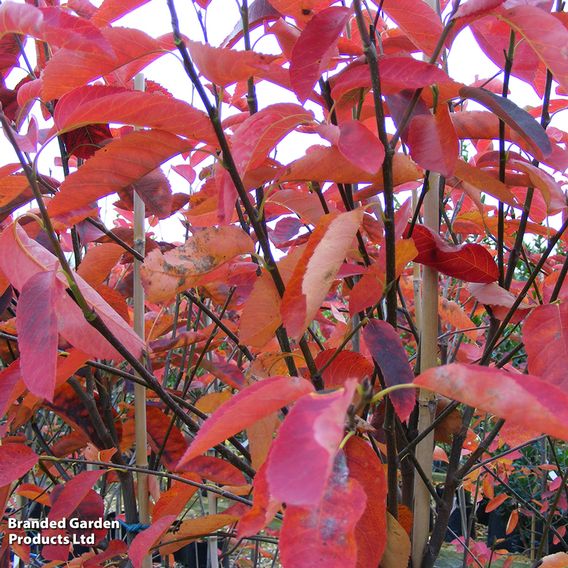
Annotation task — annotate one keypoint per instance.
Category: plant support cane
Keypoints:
(428, 325)
(140, 390)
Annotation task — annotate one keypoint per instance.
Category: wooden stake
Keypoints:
(428, 325)
(141, 436)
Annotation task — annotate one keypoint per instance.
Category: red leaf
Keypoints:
(261, 132)
(223, 66)
(144, 540)
(54, 26)
(517, 118)
(417, 20)
(36, 323)
(10, 378)
(468, 262)
(522, 399)
(226, 371)
(545, 335)
(112, 168)
(322, 163)
(484, 181)
(360, 146)
(175, 499)
(477, 7)
(346, 365)
(371, 530)
(302, 456)
(216, 470)
(73, 493)
(433, 141)
(85, 141)
(111, 10)
(544, 33)
(246, 407)
(397, 73)
(15, 461)
(387, 350)
(317, 268)
(314, 48)
(100, 104)
(300, 9)
(324, 534)
(158, 426)
(69, 68)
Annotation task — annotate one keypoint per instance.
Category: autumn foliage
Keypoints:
(282, 322)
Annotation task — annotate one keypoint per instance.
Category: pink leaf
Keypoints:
(246, 407)
(360, 146)
(417, 20)
(544, 33)
(73, 493)
(262, 131)
(313, 49)
(433, 141)
(224, 66)
(54, 26)
(522, 399)
(144, 540)
(324, 534)
(301, 458)
(15, 461)
(545, 335)
(36, 323)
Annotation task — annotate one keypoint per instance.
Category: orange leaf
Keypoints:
(323, 163)
(98, 262)
(513, 521)
(173, 501)
(224, 66)
(193, 528)
(70, 68)
(496, 502)
(558, 560)
(100, 104)
(114, 167)
(327, 247)
(249, 405)
(163, 275)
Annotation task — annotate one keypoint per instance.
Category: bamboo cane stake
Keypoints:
(141, 436)
(428, 325)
